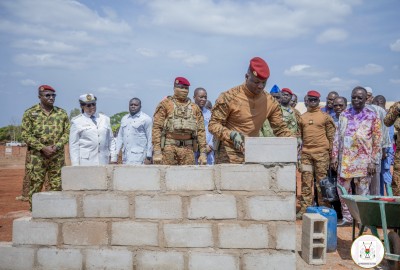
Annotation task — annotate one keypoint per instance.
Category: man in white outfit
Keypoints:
(134, 135)
(91, 141)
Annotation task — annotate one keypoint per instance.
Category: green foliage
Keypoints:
(74, 112)
(116, 121)
(10, 133)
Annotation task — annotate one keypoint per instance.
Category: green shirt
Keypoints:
(40, 130)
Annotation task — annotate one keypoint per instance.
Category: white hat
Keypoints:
(369, 89)
(87, 98)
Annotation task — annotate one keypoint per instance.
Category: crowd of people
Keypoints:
(355, 141)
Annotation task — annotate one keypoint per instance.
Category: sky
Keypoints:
(122, 49)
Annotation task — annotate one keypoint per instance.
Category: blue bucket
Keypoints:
(330, 214)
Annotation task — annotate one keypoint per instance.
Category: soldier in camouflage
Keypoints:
(178, 129)
(45, 130)
(241, 111)
(393, 117)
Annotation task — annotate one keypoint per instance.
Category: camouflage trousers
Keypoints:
(178, 155)
(38, 166)
(227, 154)
(310, 163)
(362, 188)
(396, 173)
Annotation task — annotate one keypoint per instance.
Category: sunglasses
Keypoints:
(49, 95)
(312, 99)
(89, 105)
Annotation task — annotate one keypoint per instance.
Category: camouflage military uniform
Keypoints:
(393, 117)
(317, 129)
(289, 117)
(172, 121)
(38, 131)
(238, 109)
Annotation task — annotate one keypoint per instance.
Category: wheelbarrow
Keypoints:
(378, 212)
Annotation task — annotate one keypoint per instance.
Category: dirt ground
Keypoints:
(11, 175)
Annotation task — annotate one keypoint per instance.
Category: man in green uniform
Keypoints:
(178, 129)
(393, 117)
(241, 111)
(45, 130)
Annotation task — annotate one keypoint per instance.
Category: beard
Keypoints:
(181, 93)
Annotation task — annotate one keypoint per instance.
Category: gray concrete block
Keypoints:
(286, 178)
(55, 258)
(213, 261)
(313, 238)
(158, 207)
(110, 259)
(189, 178)
(29, 232)
(85, 233)
(270, 261)
(271, 208)
(270, 149)
(130, 233)
(132, 178)
(159, 260)
(84, 178)
(286, 236)
(106, 205)
(188, 235)
(248, 177)
(54, 204)
(212, 206)
(16, 258)
(243, 236)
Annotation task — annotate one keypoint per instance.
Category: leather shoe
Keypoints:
(344, 223)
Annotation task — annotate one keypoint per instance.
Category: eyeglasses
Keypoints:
(49, 95)
(312, 99)
(89, 105)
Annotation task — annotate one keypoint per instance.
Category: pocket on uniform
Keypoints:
(84, 153)
(137, 150)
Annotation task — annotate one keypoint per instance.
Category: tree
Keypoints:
(116, 121)
(73, 113)
(10, 133)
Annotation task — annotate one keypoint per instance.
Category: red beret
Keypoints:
(181, 80)
(259, 68)
(287, 90)
(45, 87)
(313, 93)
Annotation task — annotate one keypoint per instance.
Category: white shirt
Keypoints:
(90, 143)
(134, 137)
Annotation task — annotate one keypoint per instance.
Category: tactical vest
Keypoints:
(182, 119)
(290, 119)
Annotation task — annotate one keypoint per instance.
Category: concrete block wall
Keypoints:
(239, 217)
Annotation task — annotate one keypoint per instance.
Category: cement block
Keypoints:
(55, 258)
(85, 233)
(84, 178)
(106, 205)
(212, 206)
(269, 261)
(130, 233)
(243, 236)
(313, 238)
(188, 235)
(249, 177)
(213, 261)
(158, 207)
(16, 258)
(286, 236)
(270, 149)
(132, 178)
(271, 208)
(286, 178)
(29, 232)
(158, 260)
(55, 204)
(110, 259)
(189, 178)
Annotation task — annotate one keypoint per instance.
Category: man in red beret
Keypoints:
(317, 130)
(45, 129)
(241, 111)
(178, 129)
